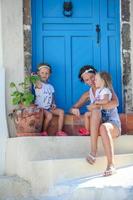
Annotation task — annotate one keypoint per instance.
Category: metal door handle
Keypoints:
(98, 33)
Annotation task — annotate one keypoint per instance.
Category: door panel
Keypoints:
(110, 43)
(83, 51)
(52, 45)
(81, 9)
(68, 43)
(51, 9)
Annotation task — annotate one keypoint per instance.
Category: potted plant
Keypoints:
(28, 118)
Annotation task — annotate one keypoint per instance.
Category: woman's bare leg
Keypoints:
(87, 120)
(109, 131)
(95, 121)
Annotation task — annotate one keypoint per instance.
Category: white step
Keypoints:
(47, 161)
(118, 186)
(21, 150)
(14, 188)
(41, 148)
(46, 174)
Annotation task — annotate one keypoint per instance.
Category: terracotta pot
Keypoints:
(28, 120)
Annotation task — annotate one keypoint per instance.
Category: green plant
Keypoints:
(22, 94)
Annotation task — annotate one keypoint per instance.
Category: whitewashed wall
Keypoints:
(1, 49)
(3, 116)
(12, 47)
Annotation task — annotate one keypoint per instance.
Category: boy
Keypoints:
(45, 99)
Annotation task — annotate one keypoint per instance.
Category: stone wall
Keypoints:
(126, 47)
(131, 11)
(27, 36)
(126, 54)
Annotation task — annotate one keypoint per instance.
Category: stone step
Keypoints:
(46, 174)
(118, 186)
(23, 149)
(14, 188)
(48, 161)
(72, 124)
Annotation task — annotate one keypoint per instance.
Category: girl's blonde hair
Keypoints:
(107, 79)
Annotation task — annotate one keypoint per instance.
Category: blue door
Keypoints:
(89, 36)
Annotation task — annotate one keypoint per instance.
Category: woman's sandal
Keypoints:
(109, 171)
(91, 159)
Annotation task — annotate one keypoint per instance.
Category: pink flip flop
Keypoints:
(84, 132)
(61, 133)
(44, 133)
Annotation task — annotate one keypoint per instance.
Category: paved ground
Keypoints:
(14, 188)
(119, 186)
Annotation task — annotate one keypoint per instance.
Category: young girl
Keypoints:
(45, 99)
(103, 95)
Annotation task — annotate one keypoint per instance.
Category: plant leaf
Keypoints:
(12, 85)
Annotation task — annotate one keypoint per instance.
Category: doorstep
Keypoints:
(72, 125)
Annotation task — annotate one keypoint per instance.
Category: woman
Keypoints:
(106, 130)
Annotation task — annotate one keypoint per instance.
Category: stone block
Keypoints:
(72, 124)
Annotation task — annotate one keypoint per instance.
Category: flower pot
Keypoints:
(28, 120)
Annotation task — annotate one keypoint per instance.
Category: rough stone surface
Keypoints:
(27, 16)
(126, 68)
(88, 187)
(27, 35)
(14, 188)
(126, 55)
(126, 41)
(125, 4)
(94, 187)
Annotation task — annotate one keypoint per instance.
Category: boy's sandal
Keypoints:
(109, 171)
(83, 132)
(91, 159)
(61, 133)
(44, 133)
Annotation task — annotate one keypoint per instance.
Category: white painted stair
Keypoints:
(48, 173)
(118, 186)
(14, 188)
(56, 167)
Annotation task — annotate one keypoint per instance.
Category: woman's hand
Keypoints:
(75, 111)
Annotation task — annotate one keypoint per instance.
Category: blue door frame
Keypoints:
(69, 43)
